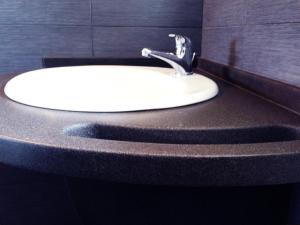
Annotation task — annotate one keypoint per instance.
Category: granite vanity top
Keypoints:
(42, 140)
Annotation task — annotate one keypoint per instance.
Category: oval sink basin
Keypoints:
(108, 88)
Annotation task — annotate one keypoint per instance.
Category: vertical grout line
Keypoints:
(246, 6)
(92, 27)
(243, 36)
(202, 25)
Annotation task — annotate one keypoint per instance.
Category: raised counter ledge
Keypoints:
(36, 139)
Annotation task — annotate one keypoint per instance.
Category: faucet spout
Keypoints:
(181, 60)
(169, 58)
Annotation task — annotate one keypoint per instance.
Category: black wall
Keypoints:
(33, 29)
(261, 37)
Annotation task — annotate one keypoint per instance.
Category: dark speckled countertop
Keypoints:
(34, 138)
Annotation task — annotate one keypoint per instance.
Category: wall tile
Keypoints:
(42, 40)
(223, 45)
(273, 51)
(218, 13)
(15, 64)
(23, 46)
(33, 29)
(129, 41)
(270, 36)
(157, 13)
(273, 11)
(68, 12)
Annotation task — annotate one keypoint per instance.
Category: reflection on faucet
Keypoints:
(183, 58)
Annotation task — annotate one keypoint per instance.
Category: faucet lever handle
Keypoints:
(179, 39)
(181, 44)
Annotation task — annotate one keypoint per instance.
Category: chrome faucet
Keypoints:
(183, 58)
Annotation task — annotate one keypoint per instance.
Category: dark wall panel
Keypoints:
(219, 13)
(223, 45)
(129, 41)
(155, 13)
(45, 40)
(68, 12)
(15, 63)
(23, 46)
(265, 41)
(273, 50)
(30, 30)
(273, 11)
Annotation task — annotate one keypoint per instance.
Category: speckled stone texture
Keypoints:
(36, 139)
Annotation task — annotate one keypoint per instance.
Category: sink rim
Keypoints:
(171, 101)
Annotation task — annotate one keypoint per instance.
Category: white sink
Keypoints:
(108, 88)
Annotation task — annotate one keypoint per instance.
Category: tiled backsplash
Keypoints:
(30, 30)
(262, 37)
